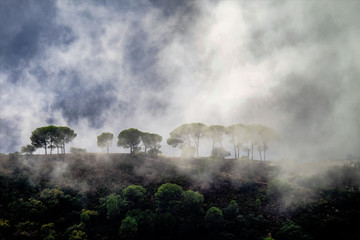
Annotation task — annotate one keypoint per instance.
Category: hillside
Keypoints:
(85, 196)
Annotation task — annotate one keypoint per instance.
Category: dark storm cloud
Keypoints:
(156, 64)
(76, 102)
(22, 24)
(9, 136)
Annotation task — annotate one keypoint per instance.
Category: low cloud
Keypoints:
(154, 65)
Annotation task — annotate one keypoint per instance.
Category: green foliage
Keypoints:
(51, 196)
(84, 216)
(168, 197)
(130, 138)
(78, 235)
(104, 140)
(193, 202)
(145, 219)
(133, 195)
(215, 134)
(231, 211)
(52, 137)
(289, 230)
(77, 150)
(48, 231)
(188, 135)
(28, 149)
(214, 218)
(128, 228)
(112, 203)
(4, 224)
(27, 229)
(220, 153)
(152, 142)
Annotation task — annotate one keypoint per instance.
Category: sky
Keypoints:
(99, 66)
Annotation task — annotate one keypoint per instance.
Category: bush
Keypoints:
(220, 152)
(77, 150)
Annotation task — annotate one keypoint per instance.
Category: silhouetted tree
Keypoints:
(28, 149)
(52, 137)
(130, 138)
(104, 140)
(65, 135)
(187, 134)
(236, 134)
(151, 141)
(215, 134)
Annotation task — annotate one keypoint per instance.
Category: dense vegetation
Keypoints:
(102, 196)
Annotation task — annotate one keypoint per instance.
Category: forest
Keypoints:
(142, 196)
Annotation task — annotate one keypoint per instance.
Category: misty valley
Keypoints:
(179, 120)
(144, 194)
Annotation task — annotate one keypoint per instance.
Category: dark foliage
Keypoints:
(116, 196)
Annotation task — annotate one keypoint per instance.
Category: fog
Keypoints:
(154, 65)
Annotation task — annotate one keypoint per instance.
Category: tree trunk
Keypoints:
(197, 143)
(260, 154)
(264, 154)
(235, 151)
(252, 151)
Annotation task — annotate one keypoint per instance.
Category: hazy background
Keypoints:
(109, 65)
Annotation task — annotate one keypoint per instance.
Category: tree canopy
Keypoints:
(152, 142)
(52, 137)
(188, 134)
(130, 138)
(104, 140)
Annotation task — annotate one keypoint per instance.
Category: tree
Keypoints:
(39, 138)
(214, 218)
(260, 135)
(267, 135)
(187, 134)
(151, 141)
(168, 197)
(28, 149)
(104, 140)
(66, 135)
(236, 133)
(133, 195)
(252, 135)
(215, 134)
(112, 204)
(52, 137)
(130, 138)
(220, 152)
(193, 202)
(128, 228)
(231, 211)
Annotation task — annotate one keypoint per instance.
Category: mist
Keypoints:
(154, 65)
